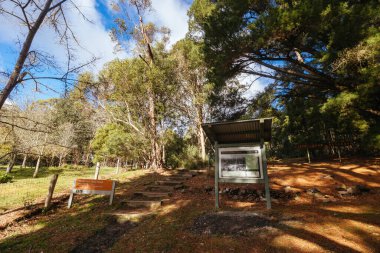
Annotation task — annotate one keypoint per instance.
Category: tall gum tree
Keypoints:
(130, 21)
(191, 72)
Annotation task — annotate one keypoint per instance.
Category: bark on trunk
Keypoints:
(16, 75)
(156, 161)
(60, 160)
(52, 161)
(24, 161)
(87, 160)
(163, 154)
(117, 165)
(155, 155)
(49, 196)
(201, 136)
(11, 163)
(37, 166)
(97, 170)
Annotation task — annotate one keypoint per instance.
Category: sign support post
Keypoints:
(216, 176)
(265, 167)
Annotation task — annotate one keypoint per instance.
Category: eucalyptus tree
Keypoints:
(194, 88)
(149, 41)
(124, 92)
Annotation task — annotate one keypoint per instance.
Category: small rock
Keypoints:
(288, 189)
(353, 190)
(312, 191)
(328, 177)
(235, 197)
(343, 193)
(234, 191)
(208, 188)
(243, 192)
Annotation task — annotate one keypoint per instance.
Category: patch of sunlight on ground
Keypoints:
(166, 209)
(296, 244)
(340, 234)
(347, 209)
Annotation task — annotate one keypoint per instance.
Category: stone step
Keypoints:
(176, 178)
(152, 204)
(187, 172)
(160, 188)
(153, 194)
(184, 175)
(131, 215)
(167, 182)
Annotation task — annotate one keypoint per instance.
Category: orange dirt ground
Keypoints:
(323, 222)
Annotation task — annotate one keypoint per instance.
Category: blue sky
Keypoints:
(93, 37)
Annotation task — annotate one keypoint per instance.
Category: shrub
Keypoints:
(5, 179)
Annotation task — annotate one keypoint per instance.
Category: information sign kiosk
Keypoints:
(240, 152)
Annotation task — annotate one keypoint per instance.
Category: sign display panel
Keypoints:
(93, 186)
(240, 162)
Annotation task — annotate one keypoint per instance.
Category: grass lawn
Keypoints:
(25, 189)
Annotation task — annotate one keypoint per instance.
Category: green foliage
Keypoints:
(190, 158)
(115, 141)
(322, 56)
(5, 178)
(174, 148)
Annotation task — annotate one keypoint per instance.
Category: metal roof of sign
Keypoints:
(243, 131)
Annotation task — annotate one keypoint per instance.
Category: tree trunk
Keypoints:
(97, 169)
(60, 160)
(87, 160)
(15, 77)
(37, 166)
(117, 165)
(52, 160)
(155, 157)
(49, 196)
(201, 136)
(11, 163)
(156, 161)
(24, 161)
(163, 154)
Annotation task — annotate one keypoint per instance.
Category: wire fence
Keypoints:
(25, 190)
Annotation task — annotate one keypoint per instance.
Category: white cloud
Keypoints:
(171, 14)
(93, 38)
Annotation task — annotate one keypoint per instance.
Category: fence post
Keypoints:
(53, 182)
(97, 169)
(308, 154)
